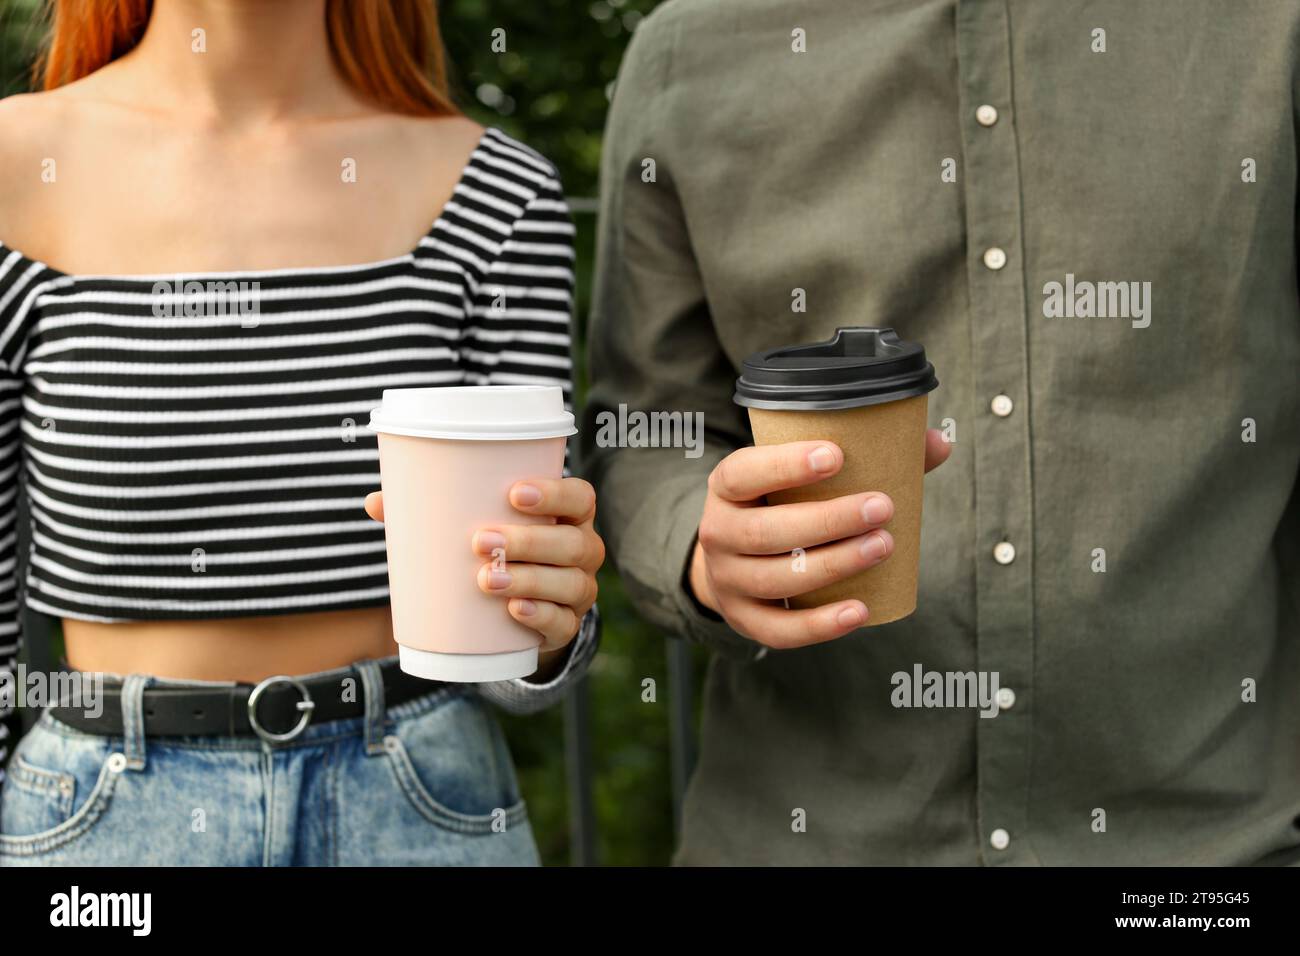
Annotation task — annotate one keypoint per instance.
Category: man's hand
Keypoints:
(741, 567)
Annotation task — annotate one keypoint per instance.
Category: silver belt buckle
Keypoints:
(305, 706)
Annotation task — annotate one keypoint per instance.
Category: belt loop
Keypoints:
(133, 718)
(372, 686)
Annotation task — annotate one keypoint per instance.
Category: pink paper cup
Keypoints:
(447, 459)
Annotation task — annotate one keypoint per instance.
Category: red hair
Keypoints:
(389, 50)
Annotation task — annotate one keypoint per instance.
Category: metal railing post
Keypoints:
(578, 774)
(681, 717)
(578, 771)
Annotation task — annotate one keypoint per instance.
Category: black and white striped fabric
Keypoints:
(195, 446)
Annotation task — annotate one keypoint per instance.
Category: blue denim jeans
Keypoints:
(427, 782)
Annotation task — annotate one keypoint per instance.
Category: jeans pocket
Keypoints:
(39, 799)
(453, 766)
(55, 791)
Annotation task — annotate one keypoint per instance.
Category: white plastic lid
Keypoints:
(475, 413)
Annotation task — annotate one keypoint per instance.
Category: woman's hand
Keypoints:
(546, 573)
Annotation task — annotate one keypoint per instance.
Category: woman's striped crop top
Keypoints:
(194, 446)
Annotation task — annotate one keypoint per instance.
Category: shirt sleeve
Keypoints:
(19, 283)
(521, 301)
(520, 696)
(652, 347)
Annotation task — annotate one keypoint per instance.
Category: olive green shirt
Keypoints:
(1115, 534)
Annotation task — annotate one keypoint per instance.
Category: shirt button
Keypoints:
(1000, 839)
(995, 258)
(1004, 552)
(1001, 405)
(986, 115)
(1006, 698)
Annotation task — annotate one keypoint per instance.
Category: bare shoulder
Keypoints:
(30, 124)
(430, 153)
(41, 134)
(38, 133)
(443, 139)
(31, 136)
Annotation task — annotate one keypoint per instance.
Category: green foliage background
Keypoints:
(550, 88)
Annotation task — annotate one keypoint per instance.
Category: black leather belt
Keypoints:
(277, 709)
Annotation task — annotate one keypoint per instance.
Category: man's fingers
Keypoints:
(779, 529)
(785, 576)
(751, 473)
(375, 505)
(781, 629)
(937, 449)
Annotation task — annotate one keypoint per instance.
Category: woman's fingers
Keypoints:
(547, 571)
(555, 622)
(571, 586)
(563, 545)
(375, 505)
(571, 499)
(784, 576)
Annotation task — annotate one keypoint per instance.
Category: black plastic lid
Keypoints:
(859, 366)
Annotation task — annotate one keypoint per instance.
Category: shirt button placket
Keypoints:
(1002, 557)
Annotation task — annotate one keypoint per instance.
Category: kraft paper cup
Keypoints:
(866, 391)
(447, 459)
